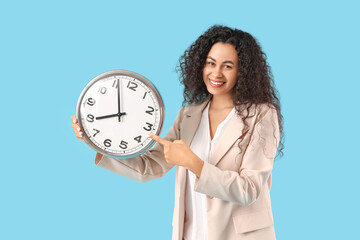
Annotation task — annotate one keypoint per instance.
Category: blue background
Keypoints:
(50, 187)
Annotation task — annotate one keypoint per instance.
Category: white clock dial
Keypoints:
(117, 113)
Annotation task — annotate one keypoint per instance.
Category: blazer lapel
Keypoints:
(232, 133)
(191, 121)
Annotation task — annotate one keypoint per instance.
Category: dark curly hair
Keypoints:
(255, 84)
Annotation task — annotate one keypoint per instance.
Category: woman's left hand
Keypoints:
(179, 153)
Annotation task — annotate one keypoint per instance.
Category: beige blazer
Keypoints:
(237, 183)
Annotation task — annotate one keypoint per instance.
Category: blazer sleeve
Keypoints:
(145, 167)
(244, 186)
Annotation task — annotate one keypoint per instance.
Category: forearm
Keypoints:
(242, 188)
(141, 168)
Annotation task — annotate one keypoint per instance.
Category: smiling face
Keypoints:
(220, 70)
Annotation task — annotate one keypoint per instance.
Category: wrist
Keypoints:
(195, 165)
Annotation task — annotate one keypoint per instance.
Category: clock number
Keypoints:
(150, 111)
(144, 95)
(138, 139)
(149, 126)
(133, 86)
(97, 131)
(123, 145)
(107, 143)
(102, 90)
(90, 102)
(90, 118)
(115, 84)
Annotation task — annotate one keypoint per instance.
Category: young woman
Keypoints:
(223, 142)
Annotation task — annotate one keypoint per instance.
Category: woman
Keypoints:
(223, 141)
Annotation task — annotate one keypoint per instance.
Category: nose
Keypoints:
(217, 73)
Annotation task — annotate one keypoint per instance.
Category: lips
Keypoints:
(216, 84)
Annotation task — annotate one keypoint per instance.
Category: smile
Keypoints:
(215, 83)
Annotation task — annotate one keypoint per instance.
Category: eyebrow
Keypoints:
(223, 62)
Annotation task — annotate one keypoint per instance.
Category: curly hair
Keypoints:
(255, 84)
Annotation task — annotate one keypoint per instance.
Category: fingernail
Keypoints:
(78, 129)
(74, 121)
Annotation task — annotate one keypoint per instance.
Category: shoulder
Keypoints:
(195, 108)
(187, 111)
(191, 108)
(267, 120)
(256, 113)
(265, 109)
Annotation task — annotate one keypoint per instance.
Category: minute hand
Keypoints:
(119, 112)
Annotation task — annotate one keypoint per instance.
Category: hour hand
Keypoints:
(111, 115)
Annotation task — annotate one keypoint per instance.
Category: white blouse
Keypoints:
(195, 226)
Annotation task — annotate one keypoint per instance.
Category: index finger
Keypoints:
(74, 119)
(159, 139)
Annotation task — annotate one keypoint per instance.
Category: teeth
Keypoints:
(216, 83)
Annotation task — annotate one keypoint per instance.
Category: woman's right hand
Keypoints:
(76, 128)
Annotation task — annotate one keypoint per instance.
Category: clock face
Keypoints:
(117, 110)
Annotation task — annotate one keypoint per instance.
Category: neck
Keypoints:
(221, 102)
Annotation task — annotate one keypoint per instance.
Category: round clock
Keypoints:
(117, 110)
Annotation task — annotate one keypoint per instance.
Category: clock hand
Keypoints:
(107, 116)
(118, 95)
(111, 115)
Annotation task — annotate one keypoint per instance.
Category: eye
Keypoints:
(228, 66)
(210, 63)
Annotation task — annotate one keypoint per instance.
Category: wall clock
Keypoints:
(117, 110)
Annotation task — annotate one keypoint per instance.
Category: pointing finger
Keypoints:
(159, 139)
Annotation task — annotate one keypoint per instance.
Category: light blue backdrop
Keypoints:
(50, 187)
